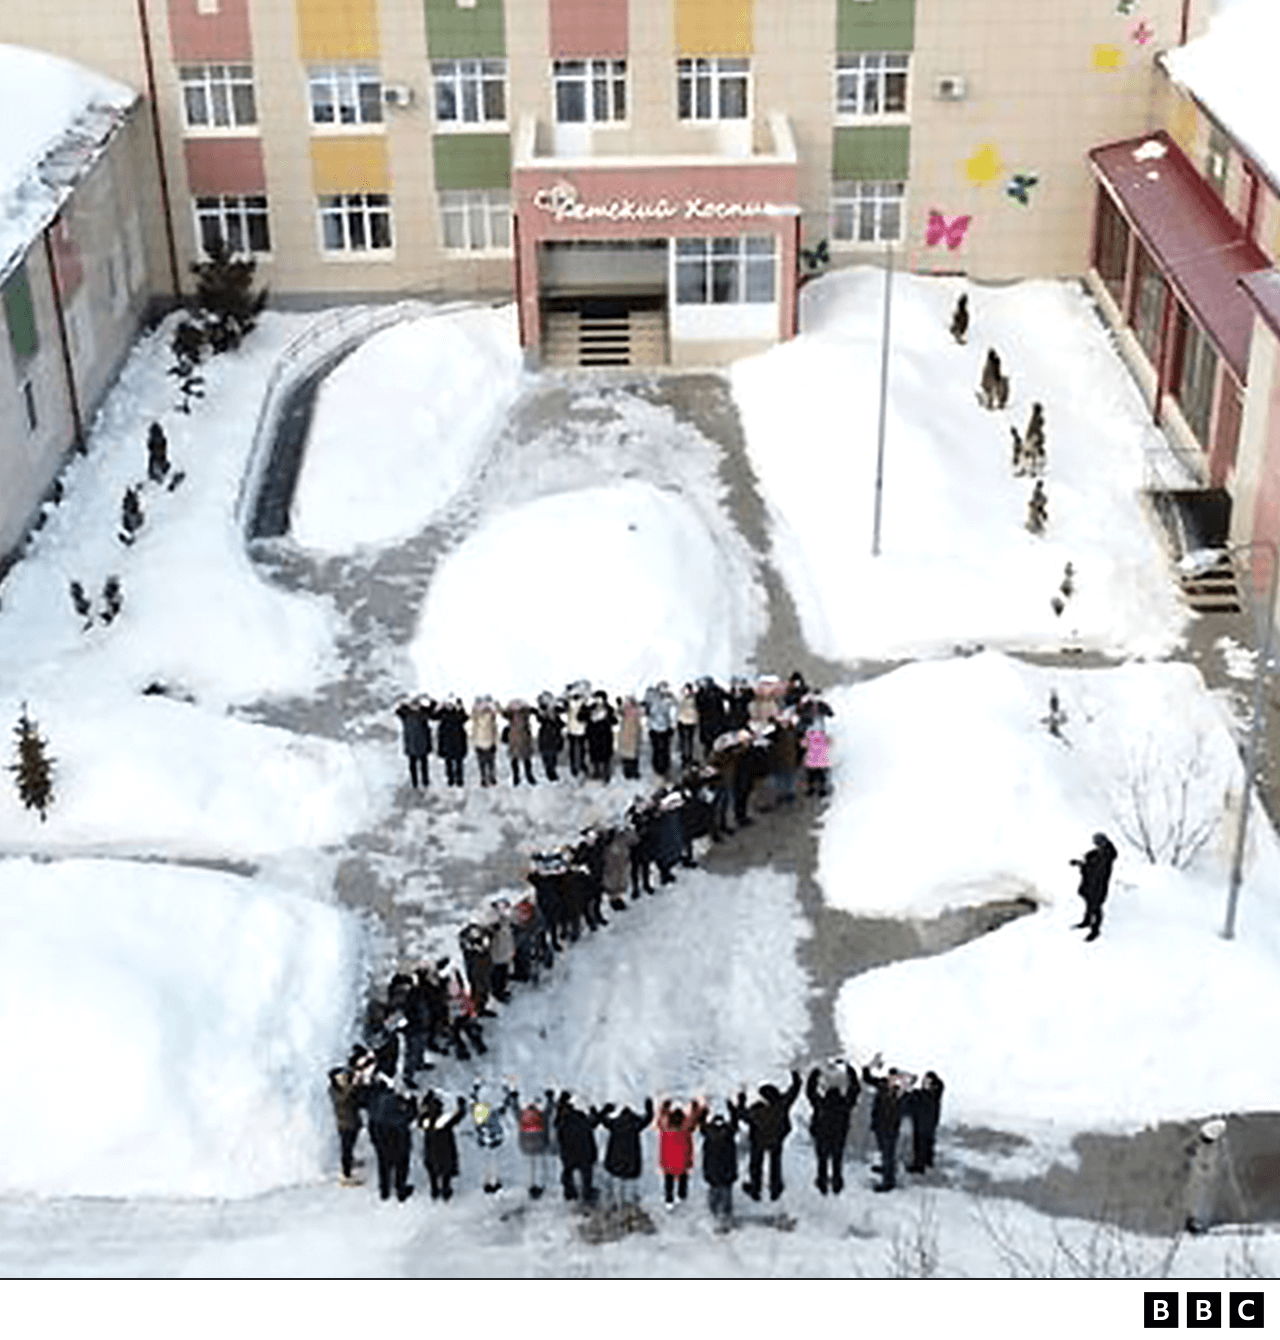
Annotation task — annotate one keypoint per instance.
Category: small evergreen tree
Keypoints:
(34, 768)
(187, 347)
(131, 515)
(227, 306)
(112, 599)
(81, 601)
(157, 454)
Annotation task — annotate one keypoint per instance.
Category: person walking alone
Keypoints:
(1095, 881)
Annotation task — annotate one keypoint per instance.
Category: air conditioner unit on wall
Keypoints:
(950, 87)
(397, 95)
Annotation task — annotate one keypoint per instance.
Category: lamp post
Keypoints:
(1255, 730)
(884, 395)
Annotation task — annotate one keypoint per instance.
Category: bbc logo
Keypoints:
(1203, 1309)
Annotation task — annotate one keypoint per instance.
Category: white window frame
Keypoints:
(353, 93)
(862, 78)
(233, 213)
(474, 222)
(461, 90)
(703, 84)
(224, 94)
(602, 83)
(738, 263)
(867, 206)
(344, 208)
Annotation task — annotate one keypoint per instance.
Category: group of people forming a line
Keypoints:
(597, 729)
(556, 1126)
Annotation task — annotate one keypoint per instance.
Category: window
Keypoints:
(345, 95)
(871, 83)
(239, 220)
(469, 92)
(1199, 368)
(1216, 159)
(29, 406)
(475, 220)
(867, 211)
(218, 96)
(713, 88)
(1111, 247)
(355, 222)
(590, 90)
(725, 269)
(1148, 305)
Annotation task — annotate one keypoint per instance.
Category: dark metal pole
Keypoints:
(884, 396)
(144, 32)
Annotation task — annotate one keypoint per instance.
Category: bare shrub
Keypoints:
(1171, 799)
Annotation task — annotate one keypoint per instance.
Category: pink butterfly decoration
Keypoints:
(951, 231)
(1142, 33)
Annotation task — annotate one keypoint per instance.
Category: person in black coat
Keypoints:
(622, 1159)
(768, 1122)
(829, 1125)
(720, 1162)
(709, 698)
(924, 1106)
(1095, 880)
(738, 704)
(576, 1138)
(550, 738)
(451, 739)
(439, 1145)
(891, 1088)
(668, 835)
(547, 879)
(415, 727)
(641, 815)
(391, 1115)
(600, 720)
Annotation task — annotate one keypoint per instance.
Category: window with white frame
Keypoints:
(713, 88)
(469, 92)
(725, 269)
(590, 90)
(241, 221)
(345, 95)
(867, 211)
(871, 83)
(218, 97)
(355, 223)
(475, 220)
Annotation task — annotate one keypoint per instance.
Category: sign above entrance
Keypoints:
(565, 205)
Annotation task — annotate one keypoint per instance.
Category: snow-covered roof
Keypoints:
(1230, 71)
(57, 118)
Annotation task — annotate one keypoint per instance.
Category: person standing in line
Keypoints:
(768, 1122)
(484, 737)
(1095, 882)
(832, 1107)
(439, 1146)
(348, 1093)
(476, 943)
(490, 1131)
(576, 1140)
(817, 758)
(675, 1148)
(924, 1107)
(891, 1087)
(535, 1140)
(451, 739)
(502, 950)
(710, 700)
(550, 736)
(601, 719)
(660, 711)
(577, 709)
(519, 733)
(415, 728)
(687, 725)
(720, 1163)
(622, 1160)
(391, 1116)
(629, 730)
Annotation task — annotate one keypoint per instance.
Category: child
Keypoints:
(817, 758)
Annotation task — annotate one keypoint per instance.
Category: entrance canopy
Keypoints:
(1192, 237)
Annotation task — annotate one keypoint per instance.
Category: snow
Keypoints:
(1143, 1024)
(956, 562)
(416, 405)
(623, 584)
(45, 103)
(1229, 72)
(165, 1023)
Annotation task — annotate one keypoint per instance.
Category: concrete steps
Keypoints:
(635, 338)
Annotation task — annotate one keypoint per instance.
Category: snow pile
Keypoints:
(166, 1030)
(623, 585)
(400, 424)
(956, 561)
(46, 102)
(1230, 72)
(1034, 1025)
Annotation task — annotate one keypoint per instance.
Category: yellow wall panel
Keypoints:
(338, 30)
(349, 164)
(714, 27)
(1183, 127)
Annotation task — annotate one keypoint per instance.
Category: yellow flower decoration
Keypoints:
(1107, 57)
(983, 166)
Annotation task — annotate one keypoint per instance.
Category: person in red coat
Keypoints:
(675, 1147)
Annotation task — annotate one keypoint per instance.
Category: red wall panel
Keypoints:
(588, 28)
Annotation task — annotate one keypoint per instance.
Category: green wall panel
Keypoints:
(875, 25)
(871, 153)
(20, 315)
(454, 32)
(472, 162)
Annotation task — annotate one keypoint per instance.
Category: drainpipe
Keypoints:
(68, 370)
(519, 270)
(1186, 17)
(144, 29)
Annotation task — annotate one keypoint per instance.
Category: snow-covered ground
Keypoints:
(957, 564)
(949, 792)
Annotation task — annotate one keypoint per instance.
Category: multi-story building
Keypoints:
(75, 170)
(671, 157)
